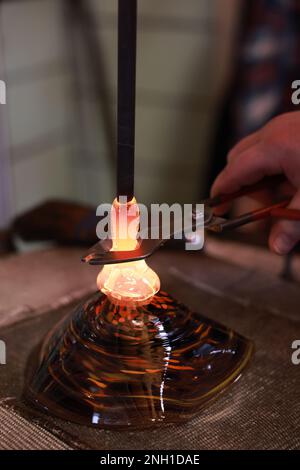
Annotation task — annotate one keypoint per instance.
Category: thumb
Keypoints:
(285, 234)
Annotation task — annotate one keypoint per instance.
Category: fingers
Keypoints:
(246, 169)
(248, 163)
(285, 234)
(243, 145)
(272, 150)
(240, 147)
(229, 180)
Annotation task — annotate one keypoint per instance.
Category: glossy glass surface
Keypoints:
(112, 366)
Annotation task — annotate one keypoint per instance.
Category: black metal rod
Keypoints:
(127, 26)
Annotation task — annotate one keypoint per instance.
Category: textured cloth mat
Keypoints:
(261, 411)
(17, 433)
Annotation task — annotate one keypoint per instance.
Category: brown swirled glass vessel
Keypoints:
(114, 366)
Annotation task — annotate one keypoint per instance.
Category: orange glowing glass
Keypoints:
(133, 282)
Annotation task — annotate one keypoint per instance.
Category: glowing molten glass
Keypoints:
(133, 282)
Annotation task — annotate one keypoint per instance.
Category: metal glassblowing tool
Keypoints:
(100, 253)
(131, 356)
(127, 26)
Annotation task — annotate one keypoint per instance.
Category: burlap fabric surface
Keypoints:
(260, 411)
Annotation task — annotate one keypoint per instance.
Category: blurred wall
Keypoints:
(175, 86)
(59, 144)
(38, 105)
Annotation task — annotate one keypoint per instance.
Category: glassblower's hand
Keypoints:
(272, 150)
